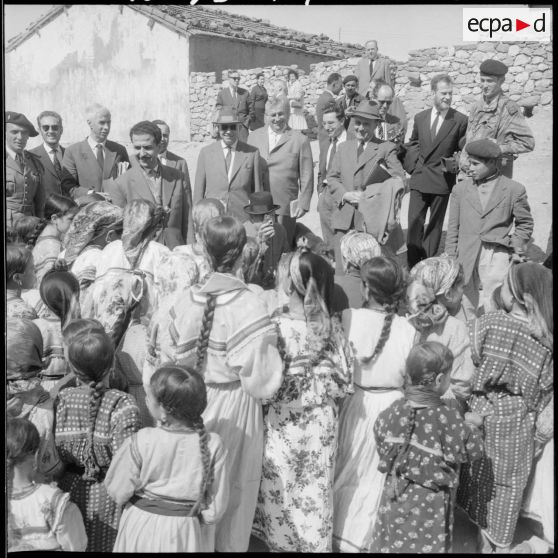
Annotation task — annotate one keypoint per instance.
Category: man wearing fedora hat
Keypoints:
(365, 180)
(228, 169)
(271, 236)
(24, 189)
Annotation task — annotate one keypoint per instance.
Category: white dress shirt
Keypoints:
(274, 138)
(49, 149)
(341, 138)
(224, 146)
(93, 144)
(433, 114)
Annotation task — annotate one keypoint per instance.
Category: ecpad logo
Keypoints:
(507, 24)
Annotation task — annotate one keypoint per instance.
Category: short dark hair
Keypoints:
(332, 78)
(147, 127)
(291, 71)
(437, 79)
(160, 123)
(49, 113)
(337, 108)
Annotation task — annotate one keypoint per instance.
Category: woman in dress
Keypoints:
(295, 94)
(295, 504)
(20, 274)
(256, 102)
(172, 479)
(382, 341)
(511, 387)
(92, 422)
(224, 329)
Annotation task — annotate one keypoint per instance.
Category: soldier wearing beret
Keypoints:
(497, 117)
(24, 190)
(483, 210)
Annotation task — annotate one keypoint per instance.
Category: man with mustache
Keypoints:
(157, 183)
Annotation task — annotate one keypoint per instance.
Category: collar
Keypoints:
(234, 145)
(442, 113)
(12, 153)
(93, 144)
(155, 172)
(233, 91)
(487, 179)
(49, 148)
(271, 131)
(493, 105)
(163, 155)
(221, 283)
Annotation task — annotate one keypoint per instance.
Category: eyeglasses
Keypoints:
(54, 127)
(226, 127)
(236, 78)
(384, 102)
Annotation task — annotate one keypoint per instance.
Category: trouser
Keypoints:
(289, 223)
(490, 271)
(326, 205)
(423, 243)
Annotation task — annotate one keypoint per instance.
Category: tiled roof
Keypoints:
(201, 20)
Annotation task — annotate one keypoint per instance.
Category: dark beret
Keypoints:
(483, 148)
(20, 120)
(348, 78)
(493, 68)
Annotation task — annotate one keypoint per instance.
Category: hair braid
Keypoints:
(208, 472)
(92, 469)
(203, 339)
(384, 336)
(34, 236)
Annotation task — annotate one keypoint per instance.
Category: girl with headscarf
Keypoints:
(124, 295)
(512, 385)
(295, 504)
(26, 397)
(432, 297)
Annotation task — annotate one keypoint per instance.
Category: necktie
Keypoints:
(333, 142)
(56, 163)
(434, 128)
(100, 155)
(228, 158)
(371, 67)
(360, 149)
(20, 162)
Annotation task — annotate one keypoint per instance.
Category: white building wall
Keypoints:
(94, 53)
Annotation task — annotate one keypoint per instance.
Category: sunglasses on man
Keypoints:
(226, 127)
(53, 127)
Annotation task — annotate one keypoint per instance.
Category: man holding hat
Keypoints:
(365, 181)
(483, 210)
(24, 189)
(228, 169)
(497, 117)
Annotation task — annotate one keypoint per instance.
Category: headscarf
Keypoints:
(142, 219)
(359, 247)
(24, 349)
(315, 309)
(88, 221)
(425, 312)
(438, 274)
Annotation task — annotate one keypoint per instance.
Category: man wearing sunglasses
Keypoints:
(50, 152)
(236, 97)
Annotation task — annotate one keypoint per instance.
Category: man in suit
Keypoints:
(333, 88)
(393, 124)
(148, 179)
(168, 158)
(237, 98)
(90, 164)
(50, 152)
(334, 126)
(437, 133)
(24, 172)
(372, 66)
(362, 201)
(228, 169)
(288, 171)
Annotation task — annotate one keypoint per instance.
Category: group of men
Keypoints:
(362, 164)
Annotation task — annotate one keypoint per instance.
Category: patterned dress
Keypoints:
(416, 509)
(54, 362)
(117, 418)
(512, 384)
(45, 253)
(16, 307)
(42, 517)
(295, 502)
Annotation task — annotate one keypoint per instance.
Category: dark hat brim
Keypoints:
(262, 212)
(365, 115)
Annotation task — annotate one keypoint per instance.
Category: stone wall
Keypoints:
(529, 79)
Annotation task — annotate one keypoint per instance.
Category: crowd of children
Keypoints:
(176, 401)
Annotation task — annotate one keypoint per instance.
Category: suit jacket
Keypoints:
(470, 225)
(134, 185)
(347, 174)
(323, 143)
(429, 176)
(52, 183)
(381, 71)
(288, 171)
(212, 180)
(224, 99)
(81, 169)
(177, 162)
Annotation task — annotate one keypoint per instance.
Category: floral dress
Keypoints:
(295, 502)
(16, 307)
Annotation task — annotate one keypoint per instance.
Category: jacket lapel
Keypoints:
(239, 157)
(12, 164)
(47, 163)
(141, 184)
(167, 187)
(370, 152)
(110, 157)
(285, 136)
(472, 197)
(264, 146)
(220, 160)
(89, 157)
(497, 196)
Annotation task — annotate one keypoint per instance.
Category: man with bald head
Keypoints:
(89, 164)
(372, 66)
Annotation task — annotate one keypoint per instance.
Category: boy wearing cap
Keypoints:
(24, 171)
(497, 117)
(483, 210)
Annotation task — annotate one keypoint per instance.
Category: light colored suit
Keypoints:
(212, 180)
(133, 184)
(52, 183)
(81, 169)
(381, 71)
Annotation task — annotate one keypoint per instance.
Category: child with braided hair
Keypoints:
(421, 443)
(224, 331)
(382, 341)
(92, 422)
(172, 479)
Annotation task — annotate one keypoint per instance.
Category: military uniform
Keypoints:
(24, 190)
